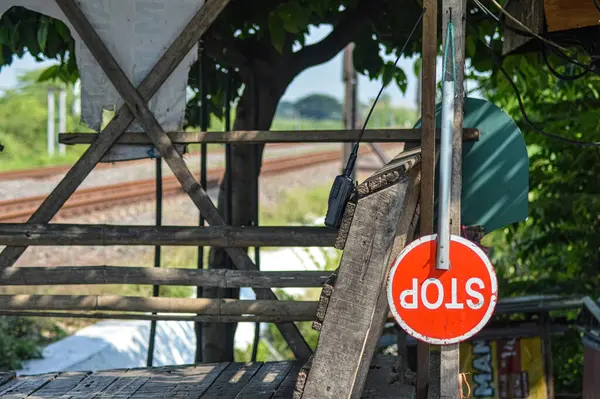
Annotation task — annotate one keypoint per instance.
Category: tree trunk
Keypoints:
(255, 111)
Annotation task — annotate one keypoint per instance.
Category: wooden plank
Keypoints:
(428, 157)
(531, 13)
(6, 377)
(569, 14)
(233, 380)
(61, 385)
(125, 386)
(215, 236)
(271, 136)
(444, 377)
(180, 382)
(226, 309)
(266, 381)
(406, 225)
(93, 385)
(165, 317)
(352, 311)
(89, 275)
(286, 389)
(123, 118)
(138, 105)
(26, 385)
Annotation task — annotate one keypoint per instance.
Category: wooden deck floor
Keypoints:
(220, 380)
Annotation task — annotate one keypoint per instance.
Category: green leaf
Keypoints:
(471, 46)
(62, 29)
(50, 73)
(277, 32)
(42, 33)
(401, 80)
(4, 35)
(387, 73)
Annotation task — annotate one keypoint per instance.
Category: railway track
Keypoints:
(100, 198)
(48, 171)
(103, 197)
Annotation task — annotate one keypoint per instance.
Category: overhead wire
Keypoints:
(498, 63)
(559, 53)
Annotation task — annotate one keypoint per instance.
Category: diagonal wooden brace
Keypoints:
(138, 106)
(123, 118)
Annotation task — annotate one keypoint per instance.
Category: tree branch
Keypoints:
(343, 33)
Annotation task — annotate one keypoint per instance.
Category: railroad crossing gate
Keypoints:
(442, 307)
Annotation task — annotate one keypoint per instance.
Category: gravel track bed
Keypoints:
(177, 210)
(122, 172)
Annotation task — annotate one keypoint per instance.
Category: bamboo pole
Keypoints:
(215, 236)
(267, 136)
(298, 310)
(220, 278)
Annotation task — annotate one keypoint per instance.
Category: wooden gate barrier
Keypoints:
(378, 222)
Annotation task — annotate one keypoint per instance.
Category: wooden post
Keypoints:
(349, 77)
(428, 142)
(358, 306)
(445, 361)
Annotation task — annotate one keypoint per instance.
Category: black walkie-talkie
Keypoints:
(342, 189)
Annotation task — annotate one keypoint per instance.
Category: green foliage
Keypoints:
(21, 339)
(557, 250)
(23, 119)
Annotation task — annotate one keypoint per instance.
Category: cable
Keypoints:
(498, 63)
(523, 26)
(588, 68)
(499, 21)
(354, 154)
(558, 74)
(597, 5)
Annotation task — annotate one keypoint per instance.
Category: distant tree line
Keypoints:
(313, 106)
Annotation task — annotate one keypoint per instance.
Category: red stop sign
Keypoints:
(442, 306)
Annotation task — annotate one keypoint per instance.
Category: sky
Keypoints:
(325, 78)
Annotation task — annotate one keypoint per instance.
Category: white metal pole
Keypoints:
(50, 127)
(62, 121)
(443, 221)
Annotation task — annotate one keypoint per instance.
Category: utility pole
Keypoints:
(50, 135)
(350, 87)
(62, 116)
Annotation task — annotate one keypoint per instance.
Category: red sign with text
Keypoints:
(442, 306)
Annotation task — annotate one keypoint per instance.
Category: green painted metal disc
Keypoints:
(495, 168)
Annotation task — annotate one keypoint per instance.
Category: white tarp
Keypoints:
(137, 33)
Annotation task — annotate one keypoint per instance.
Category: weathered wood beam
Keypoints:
(358, 305)
(564, 15)
(215, 236)
(271, 136)
(139, 107)
(88, 275)
(445, 360)
(123, 118)
(150, 316)
(428, 144)
(234, 309)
